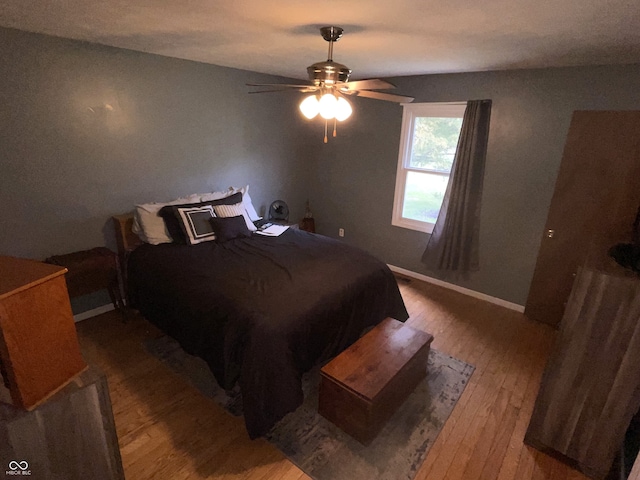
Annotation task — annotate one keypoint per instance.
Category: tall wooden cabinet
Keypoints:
(591, 385)
(39, 350)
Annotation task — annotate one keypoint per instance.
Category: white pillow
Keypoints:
(149, 226)
(225, 211)
(246, 201)
(205, 197)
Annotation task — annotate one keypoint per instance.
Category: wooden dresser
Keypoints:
(589, 391)
(39, 350)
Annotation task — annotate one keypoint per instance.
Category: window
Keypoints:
(428, 144)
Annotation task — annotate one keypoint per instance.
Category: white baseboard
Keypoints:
(457, 288)
(93, 312)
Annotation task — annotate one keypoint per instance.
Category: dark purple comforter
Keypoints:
(263, 310)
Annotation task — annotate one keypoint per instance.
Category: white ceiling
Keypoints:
(391, 38)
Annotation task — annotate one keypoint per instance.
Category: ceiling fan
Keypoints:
(330, 86)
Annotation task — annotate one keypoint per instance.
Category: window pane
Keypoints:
(434, 143)
(423, 196)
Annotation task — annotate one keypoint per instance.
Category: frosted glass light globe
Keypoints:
(328, 104)
(309, 107)
(343, 109)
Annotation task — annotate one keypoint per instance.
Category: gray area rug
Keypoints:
(322, 450)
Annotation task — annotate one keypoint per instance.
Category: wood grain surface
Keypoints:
(168, 429)
(363, 386)
(590, 388)
(72, 436)
(38, 342)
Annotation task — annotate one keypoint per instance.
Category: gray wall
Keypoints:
(176, 128)
(530, 119)
(180, 127)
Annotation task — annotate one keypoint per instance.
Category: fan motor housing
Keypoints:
(328, 73)
(279, 211)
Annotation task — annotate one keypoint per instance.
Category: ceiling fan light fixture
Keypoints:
(329, 83)
(328, 106)
(343, 109)
(310, 107)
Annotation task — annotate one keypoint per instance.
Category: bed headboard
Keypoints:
(125, 238)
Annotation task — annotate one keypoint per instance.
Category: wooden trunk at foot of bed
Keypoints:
(363, 386)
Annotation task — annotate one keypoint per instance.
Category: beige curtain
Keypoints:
(453, 245)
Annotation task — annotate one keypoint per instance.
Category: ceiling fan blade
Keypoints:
(389, 97)
(279, 85)
(371, 84)
(301, 89)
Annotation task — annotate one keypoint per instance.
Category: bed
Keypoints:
(261, 310)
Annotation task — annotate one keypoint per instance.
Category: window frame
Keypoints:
(411, 111)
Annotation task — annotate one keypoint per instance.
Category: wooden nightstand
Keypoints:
(90, 271)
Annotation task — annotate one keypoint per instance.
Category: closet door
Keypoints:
(596, 196)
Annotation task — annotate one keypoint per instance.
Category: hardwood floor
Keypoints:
(168, 430)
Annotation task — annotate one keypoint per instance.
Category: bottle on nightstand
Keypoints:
(308, 223)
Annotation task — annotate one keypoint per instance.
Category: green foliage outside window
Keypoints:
(434, 143)
(423, 196)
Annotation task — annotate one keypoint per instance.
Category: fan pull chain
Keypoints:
(335, 122)
(325, 132)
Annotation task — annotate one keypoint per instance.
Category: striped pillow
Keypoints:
(238, 209)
